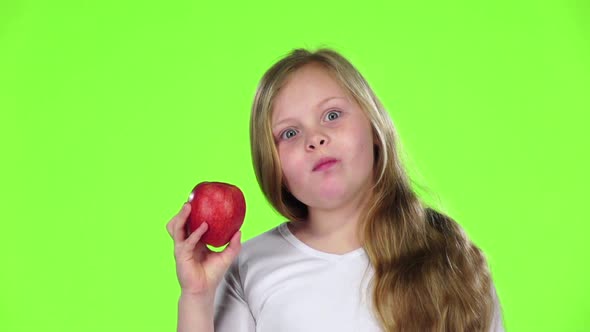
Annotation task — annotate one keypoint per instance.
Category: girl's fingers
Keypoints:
(188, 249)
(178, 222)
(172, 222)
(195, 236)
(233, 249)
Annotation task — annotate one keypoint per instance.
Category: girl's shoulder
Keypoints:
(268, 244)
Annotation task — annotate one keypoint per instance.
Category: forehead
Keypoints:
(304, 89)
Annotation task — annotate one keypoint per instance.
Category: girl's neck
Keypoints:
(332, 231)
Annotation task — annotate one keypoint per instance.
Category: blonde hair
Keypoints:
(428, 275)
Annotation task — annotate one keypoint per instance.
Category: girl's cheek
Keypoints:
(287, 145)
(284, 151)
(287, 153)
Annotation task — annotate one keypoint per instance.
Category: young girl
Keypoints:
(360, 251)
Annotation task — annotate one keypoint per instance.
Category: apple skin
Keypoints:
(222, 206)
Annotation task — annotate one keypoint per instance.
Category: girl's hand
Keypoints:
(198, 268)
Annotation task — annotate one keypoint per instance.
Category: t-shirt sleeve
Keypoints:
(232, 313)
(497, 321)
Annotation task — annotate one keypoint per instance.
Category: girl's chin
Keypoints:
(329, 200)
(326, 194)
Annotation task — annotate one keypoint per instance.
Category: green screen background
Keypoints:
(110, 113)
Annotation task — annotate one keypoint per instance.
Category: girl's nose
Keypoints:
(313, 145)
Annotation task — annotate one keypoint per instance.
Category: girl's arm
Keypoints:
(199, 271)
(195, 314)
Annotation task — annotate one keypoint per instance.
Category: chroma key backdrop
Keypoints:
(112, 111)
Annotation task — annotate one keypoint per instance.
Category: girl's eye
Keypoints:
(333, 115)
(287, 134)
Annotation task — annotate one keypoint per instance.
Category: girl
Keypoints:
(360, 251)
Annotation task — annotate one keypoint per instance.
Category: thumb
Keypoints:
(230, 253)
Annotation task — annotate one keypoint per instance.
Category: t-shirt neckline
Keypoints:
(286, 233)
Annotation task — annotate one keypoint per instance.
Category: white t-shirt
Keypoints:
(278, 283)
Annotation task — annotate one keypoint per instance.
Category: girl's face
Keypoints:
(324, 140)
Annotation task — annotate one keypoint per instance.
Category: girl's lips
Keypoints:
(324, 164)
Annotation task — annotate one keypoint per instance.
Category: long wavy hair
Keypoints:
(428, 275)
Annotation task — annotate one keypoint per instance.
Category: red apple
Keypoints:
(222, 206)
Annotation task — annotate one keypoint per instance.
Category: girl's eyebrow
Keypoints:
(318, 106)
(328, 99)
